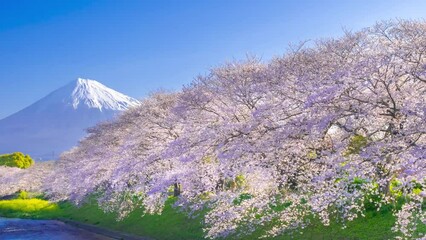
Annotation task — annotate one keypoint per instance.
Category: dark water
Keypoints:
(14, 229)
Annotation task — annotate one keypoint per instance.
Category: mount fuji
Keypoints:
(58, 121)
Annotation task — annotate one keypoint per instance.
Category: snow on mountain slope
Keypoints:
(56, 122)
(95, 95)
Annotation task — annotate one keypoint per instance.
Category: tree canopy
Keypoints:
(16, 159)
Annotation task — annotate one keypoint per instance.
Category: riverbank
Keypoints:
(172, 224)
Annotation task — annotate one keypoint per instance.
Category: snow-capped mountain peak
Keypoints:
(58, 121)
(93, 94)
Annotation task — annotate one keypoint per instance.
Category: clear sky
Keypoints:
(137, 47)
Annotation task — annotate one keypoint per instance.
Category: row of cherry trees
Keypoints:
(319, 132)
(14, 179)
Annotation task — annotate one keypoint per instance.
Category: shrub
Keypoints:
(357, 143)
(26, 205)
(16, 159)
(23, 195)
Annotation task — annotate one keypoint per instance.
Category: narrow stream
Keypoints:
(26, 229)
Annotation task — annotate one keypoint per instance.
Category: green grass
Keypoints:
(172, 224)
(373, 226)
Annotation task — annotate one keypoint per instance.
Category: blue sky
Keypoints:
(137, 47)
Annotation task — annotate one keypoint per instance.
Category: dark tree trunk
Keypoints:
(176, 189)
(220, 185)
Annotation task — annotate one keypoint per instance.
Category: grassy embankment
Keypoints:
(175, 225)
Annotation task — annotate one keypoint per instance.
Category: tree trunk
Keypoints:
(176, 189)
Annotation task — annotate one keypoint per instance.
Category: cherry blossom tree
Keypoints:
(320, 132)
(32, 179)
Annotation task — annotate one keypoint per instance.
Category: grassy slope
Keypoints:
(373, 226)
(174, 225)
(170, 225)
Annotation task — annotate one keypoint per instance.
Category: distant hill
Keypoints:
(56, 122)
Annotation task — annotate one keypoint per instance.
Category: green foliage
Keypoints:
(241, 198)
(239, 182)
(312, 155)
(394, 187)
(16, 159)
(356, 184)
(396, 190)
(26, 207)
(209, 160)
(359, 181)
(23, 195)
(418, 188)
(205, 195)
(280, 206)
(356, 143)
